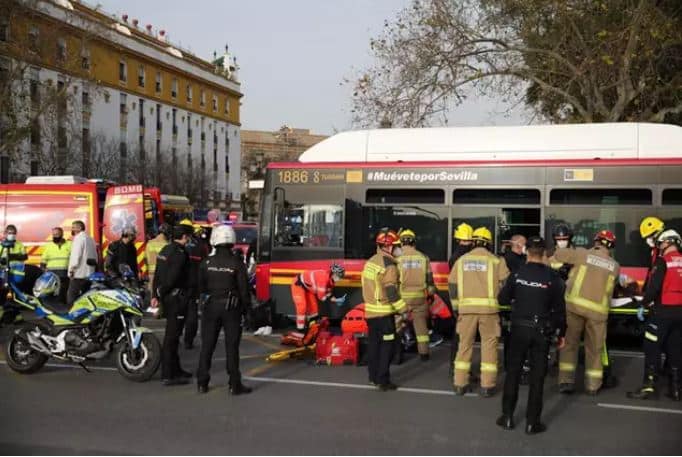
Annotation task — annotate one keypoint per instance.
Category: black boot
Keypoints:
(648, 389)
(675, 389)
(240, 389)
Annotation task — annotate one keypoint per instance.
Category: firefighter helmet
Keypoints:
(669, 236)
(651, 226)
(186, 222)
(407, 236)
(337, 270)
(606, 238)
(482, 236)
(387, 237)
(463, 232)
(562, 232)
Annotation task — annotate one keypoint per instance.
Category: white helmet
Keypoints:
(669, 236)
(223, 234)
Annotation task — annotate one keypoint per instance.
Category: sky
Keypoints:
(293, 54)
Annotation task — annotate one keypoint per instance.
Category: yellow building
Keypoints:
(154, 112)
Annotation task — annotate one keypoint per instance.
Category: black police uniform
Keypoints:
(121, 253)
(536, 296)
(222, 276)
(197, 252)
(170, 287)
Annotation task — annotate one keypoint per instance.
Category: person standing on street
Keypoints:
(474, 283)
(663, 297)
(122, 252)
(223, 280)
(463, 242)
(16, 253)
(56, 259)
(197, 251)
(82, 261)
(381, 294)
(170, 288)
(588, 298)
(538, 313)
(154, 247)
(416, 284)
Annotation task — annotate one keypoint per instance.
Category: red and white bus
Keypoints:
(328, 206)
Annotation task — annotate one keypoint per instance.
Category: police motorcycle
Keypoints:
(102, 320)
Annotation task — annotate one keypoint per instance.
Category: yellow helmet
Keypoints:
(482, 234)
(186, 222)
(463, 232)
(651, 226)
(407, 236)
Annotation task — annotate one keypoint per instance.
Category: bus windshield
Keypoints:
(246, 235)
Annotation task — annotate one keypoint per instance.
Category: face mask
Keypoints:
(74, 233)
(562, 243)
(524, 250)
(57, 239)
(397, 252)
(11, 237)
(651, 242)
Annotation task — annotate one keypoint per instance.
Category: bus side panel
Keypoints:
(35, 213)
(124, 209)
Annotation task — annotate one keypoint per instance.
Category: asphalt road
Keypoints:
(299, 408)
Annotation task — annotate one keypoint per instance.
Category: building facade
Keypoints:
(106, 98)
(262, 147)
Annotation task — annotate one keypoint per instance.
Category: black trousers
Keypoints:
(77, 287)
(663, 330)
(175, 307)
(380, 345)
(525, 341)
(191, 319)
(214, 317)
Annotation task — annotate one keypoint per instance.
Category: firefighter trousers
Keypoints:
(488, 325)
(663, 330)
(595, 338)
(305, 303)
(380, 345)
(420, 315)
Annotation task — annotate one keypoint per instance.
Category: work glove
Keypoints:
(640, 313)
(340, 301)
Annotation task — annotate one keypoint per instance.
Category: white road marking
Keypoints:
(65, 365)
(640, 408)
(351, 386)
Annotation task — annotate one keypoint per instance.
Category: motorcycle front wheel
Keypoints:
(21, 357)
(140, 364)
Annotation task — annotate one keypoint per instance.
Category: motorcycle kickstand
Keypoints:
(84, 367)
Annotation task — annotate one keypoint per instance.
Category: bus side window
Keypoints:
(308, 225)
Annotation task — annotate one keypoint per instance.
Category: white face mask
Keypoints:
(524, 251)
(651, 242)
(397, 252)
(11, 237)
(562, 243)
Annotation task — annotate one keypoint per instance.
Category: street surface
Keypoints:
(299, 408)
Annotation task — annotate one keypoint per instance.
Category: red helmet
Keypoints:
(387, 238)
(606, 238)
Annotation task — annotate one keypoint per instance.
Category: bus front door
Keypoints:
(516, 221)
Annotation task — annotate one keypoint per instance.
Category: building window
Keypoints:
(85, 99)
(227, 162)
(189, 129)
(202, 101)
(175, 119)
(122, 71)
(174, 88)
(4, 29)
(142, 118)
(124, 107)
(140, 75)
(34, 89)
(158, 117)
(61, 136)
(123, 149)
(33, 37)
(35, 132)
(227, 105)
(158, 82)
(215, 159)
(189, 93)
(85, 59)
(215, 103)
(61, 49)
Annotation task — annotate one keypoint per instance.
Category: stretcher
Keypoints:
(295, 353)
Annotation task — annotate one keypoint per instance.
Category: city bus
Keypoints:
(328, 206)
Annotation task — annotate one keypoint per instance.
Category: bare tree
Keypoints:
(569, 60)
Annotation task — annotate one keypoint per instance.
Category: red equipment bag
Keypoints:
(336, 349)
(354, 321)
(299, 339)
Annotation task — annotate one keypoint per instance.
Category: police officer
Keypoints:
(222, 277)
(197, 252)
(474, 282)
(170, 287)
(381, 295)
(536, 295)
(154, 247)
(416, 284)
(663, 297)
(588, 298)
(14, 251)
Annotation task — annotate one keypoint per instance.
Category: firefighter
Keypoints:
(56, 259)
(563, 239)
(171, 288)
(416, 285)
(538, 313)
(197, 252)
(588, 297)
(663, 297)
(381, 294)
(650, 228)
(223, 280)
(474, 283)
(311, 286)
(463, 242)
(122, 252)
(15, 252)
(154, 246)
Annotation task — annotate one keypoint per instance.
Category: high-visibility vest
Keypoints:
(601, 274)
(469, 266)
(671, 295)
(56, 257)
(16, 267)
(154, 246)
(412, 266)
(376, 302)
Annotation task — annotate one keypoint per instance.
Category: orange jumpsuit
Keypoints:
(309, 287)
